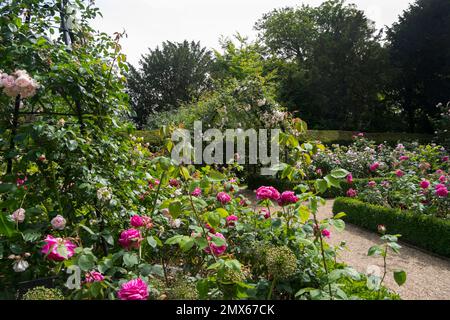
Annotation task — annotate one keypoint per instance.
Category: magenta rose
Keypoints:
(287, 197)
(197, 192)
(135, 289)
(374, 166)
(404, 158)
(231, 220)
(94, 276)
(443, 179)
(130, 239)
(352, 193)
(136, 221)
(399, 173)
(424, 184)
(442, 192)
(217, 250)
(58, 249)
(445, 159)
(326, 233)
(263, 193)
(349, 178)
(223, 197)
(174, 183)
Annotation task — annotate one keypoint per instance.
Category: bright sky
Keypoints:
(150, 22)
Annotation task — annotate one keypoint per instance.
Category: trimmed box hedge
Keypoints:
(254, 182)
(423, 231)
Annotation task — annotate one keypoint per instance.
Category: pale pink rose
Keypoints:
(23, 81)
(18, 215)
(223, 197)
(135, 289)
(58, 222)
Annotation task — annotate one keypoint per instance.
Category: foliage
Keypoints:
(424, 231)
(419, 53)
(43, 293)
(169, 76)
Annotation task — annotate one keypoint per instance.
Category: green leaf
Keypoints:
(339, 225)
(130, 259)
(339, 215)
(213, 218)
(332, 181)
(400, 277)
(86, 262)
(304, 213)
(216, 176)
(6, 227)
(186, 244)
(394, 246)
(339, 173)
(373, 282)
(375, 250)
(321, 185)
(201, 243)
(31, 235)
(151, 241)
(218, 241)
(7, 187)
(175, 209)
(185, 173)
(174, 240)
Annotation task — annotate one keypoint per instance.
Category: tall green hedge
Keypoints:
(254, 182)
(427, 232)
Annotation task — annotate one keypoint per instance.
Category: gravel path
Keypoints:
(428, 276)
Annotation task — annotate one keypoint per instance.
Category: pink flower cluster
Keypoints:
(94, 276)
(18, 83)
(223, 198)
(287, 197)
(217, 250)
(58, 249)
(135, 289)
(263, 193)
(130, 239)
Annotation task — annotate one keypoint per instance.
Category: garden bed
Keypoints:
(424, 231)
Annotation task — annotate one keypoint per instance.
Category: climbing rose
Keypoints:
(287, 197)
(130, 238)
(223, 197)
(58, 249)
(399, 173)
(197, 192)
(136, 221)
(263, 193)
(58, 222)
(350, 178)
(18, 215)
(424, 184)
(217, 250)
(231, 220)
(352, 193)
(374, 166)
(326, 233)
(94, 276)
(135, 289)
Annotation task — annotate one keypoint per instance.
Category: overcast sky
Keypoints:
(150, 22)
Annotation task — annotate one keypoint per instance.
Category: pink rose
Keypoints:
(443, 179)
(442, 192)
(374, 166)
(58, 222)
(352, 193)
(349, 178)
(231, 220)
(18, 215)
(223, 197)
(319, 172)
(326, 233)
(197, 192)
(404, 158)
(265, 212)
(147, 222)
(424, 184)
(94, 276)
(130, 239)
(135, 289)
(287, 197)
(372, 184)
(58, 249)
(217, 250)
(136, 221)
(263, 193)
(399, 173)
(445, 159)
(174, 183)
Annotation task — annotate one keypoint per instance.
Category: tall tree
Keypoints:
(169, 76)
(334, 65)
(419, 46)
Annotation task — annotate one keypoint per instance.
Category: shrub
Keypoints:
(421, 230)
(43, 293)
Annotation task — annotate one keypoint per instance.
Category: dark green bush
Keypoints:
(424, 231)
